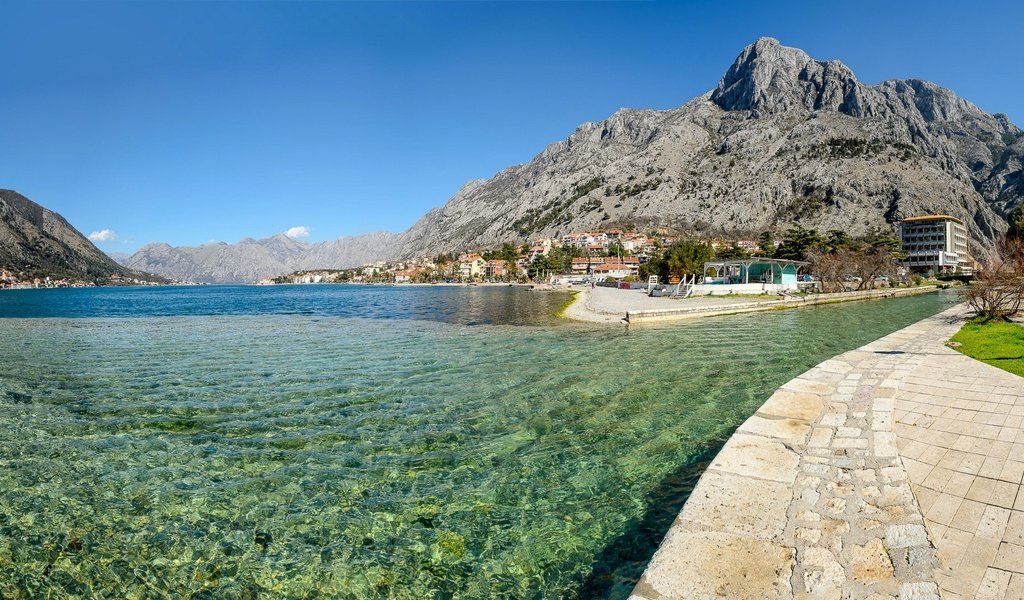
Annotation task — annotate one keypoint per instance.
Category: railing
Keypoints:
(685, 287)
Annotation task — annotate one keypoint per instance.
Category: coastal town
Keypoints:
(928, 246)
(612, 253)
(10, 280)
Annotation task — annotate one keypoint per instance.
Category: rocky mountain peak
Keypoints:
(769, 78)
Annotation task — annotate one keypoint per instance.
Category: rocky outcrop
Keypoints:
(251, 259)
(37, 242)
(782, 140)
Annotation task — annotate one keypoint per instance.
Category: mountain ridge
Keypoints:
(781, 140)
(36, 242)
(252, 259)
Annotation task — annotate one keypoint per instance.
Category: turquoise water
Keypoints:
(265, 453)
(464, 305)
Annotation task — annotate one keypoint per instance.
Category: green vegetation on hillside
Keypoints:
(628, 191)
(998, 343)
(555, 212)
(856, 147)
(1016, 221)
(582, 189)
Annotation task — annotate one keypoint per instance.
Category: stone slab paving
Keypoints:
(958, 430)
(840, 485)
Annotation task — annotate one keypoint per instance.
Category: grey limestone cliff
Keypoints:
(782, 140)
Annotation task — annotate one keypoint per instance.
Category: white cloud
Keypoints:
(103, 235)
(300, 231)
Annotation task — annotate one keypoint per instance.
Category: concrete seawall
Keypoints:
(890, 471)
(674, 314)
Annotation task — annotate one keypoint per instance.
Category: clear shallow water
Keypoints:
(274, 455)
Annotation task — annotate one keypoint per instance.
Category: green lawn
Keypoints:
(997, 343)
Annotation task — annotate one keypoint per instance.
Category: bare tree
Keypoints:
(828, 267)
(997, 291)
(867, 264)
(873, 262)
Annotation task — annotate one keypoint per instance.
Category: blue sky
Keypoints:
(192, 122)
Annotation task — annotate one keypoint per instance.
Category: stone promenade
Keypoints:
(891, 471)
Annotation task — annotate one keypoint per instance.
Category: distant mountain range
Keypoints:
(37, 242)
(782, 140)
(251, 259)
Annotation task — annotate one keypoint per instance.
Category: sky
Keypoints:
(195, 122)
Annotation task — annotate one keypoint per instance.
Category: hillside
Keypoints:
(783, 139)
(37, 242)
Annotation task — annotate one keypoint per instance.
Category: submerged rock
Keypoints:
(263, 539)
(19, 398)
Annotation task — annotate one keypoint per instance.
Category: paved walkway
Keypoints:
(958, 427)
(891, 471)
(611, 305)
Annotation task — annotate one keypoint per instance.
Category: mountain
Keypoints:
(782, 140)
(251, 259)
(37, 242)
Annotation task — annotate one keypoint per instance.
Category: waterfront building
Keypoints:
(935, 244)
(471, 265)
(750, 275)
(629, 265)
(405, 275)
(582, 265)
(613, 270)
(495, 268)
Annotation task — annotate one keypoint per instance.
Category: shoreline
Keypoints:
(614, 306)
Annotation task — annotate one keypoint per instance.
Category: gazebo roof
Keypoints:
(752, 261)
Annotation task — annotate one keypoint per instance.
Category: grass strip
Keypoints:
(998, 343)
